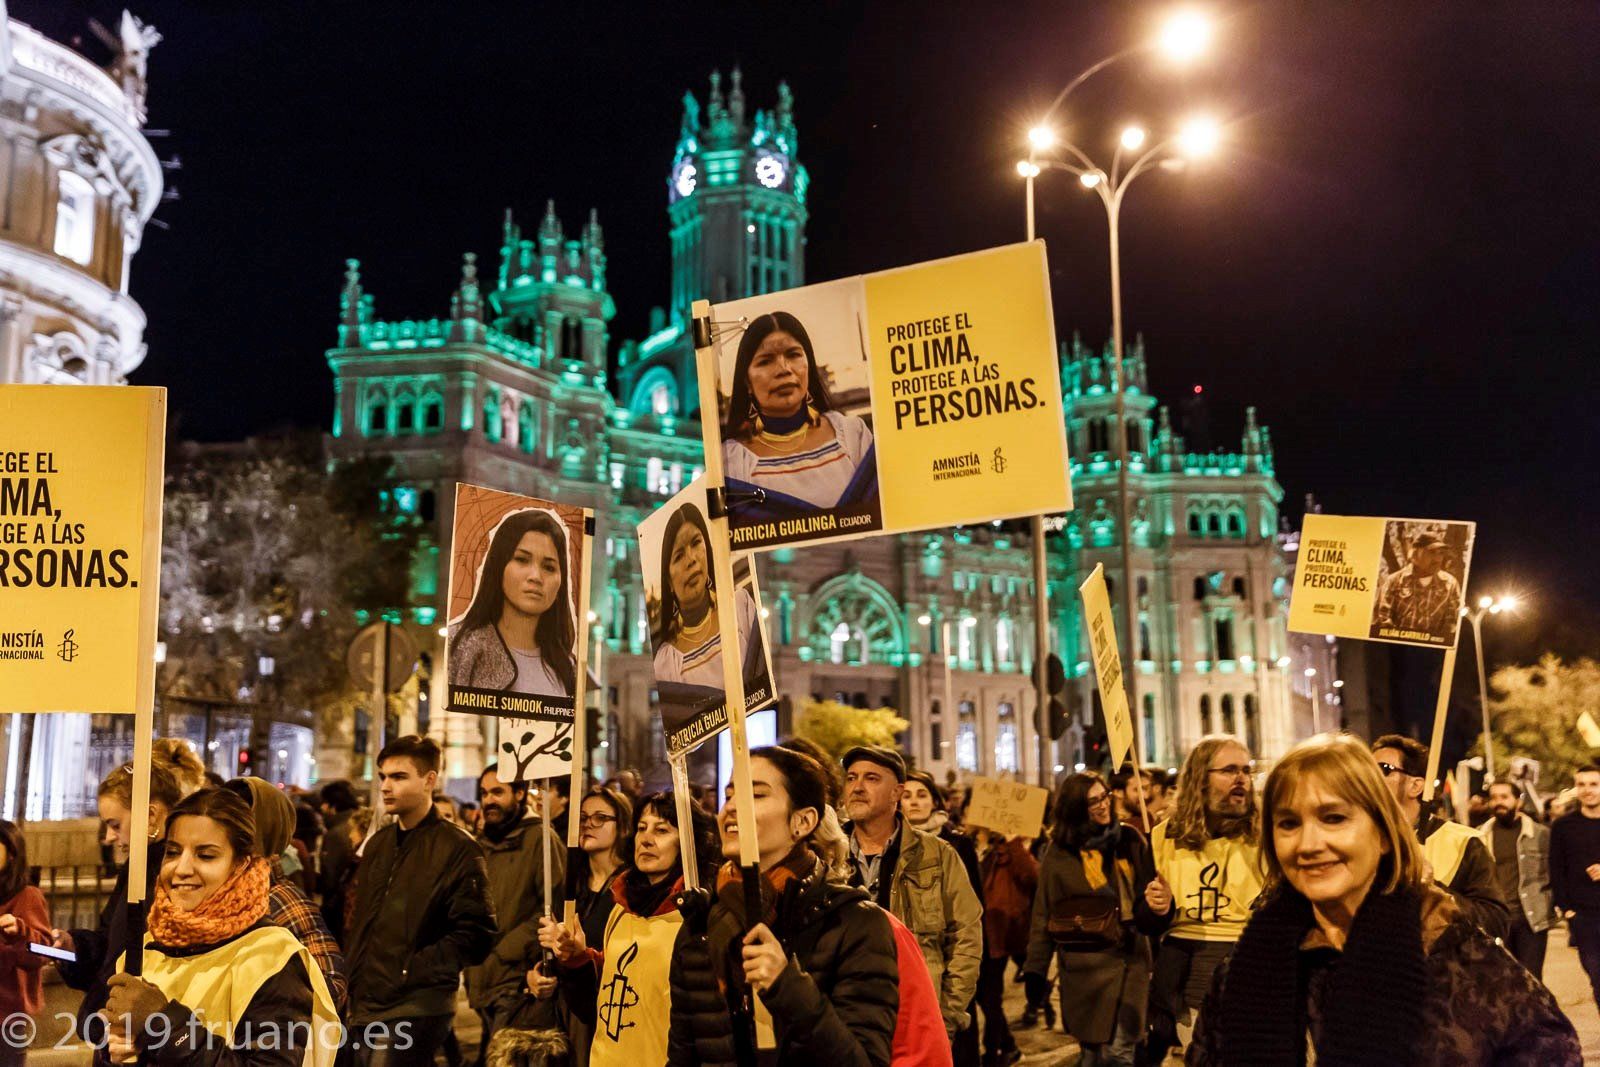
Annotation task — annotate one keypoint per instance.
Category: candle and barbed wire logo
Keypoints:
(68, 649)
(999, 461)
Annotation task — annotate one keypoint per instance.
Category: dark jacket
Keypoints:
(1010, 878)
(422, 914)
(1098, 988)
(836, 1002)
(97, 950)
(1574, 846)
(516, 889)
(1481, 1007)
(1473, 882)
(333, 868)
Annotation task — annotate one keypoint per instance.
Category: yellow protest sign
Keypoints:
(918, 397)
(1381, 579)
(1107, 664)
(1009, 808)
(80, 546)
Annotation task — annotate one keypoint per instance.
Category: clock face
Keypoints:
(684, 177)
(771, 170)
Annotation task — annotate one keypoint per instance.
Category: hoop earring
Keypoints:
(755, 417)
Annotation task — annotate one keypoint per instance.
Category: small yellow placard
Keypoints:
(1107, 664)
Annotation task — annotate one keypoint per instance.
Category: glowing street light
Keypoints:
(1027, 168)
(1185, 36)
(1133, 138)
(1487, 605)
(1200, 136)
(1089, 179)
(1042, 137)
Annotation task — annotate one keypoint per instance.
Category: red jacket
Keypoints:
(1010, 876)
(920, 1039)
(20, 986)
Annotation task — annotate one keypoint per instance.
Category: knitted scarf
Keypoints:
(1372, 1010)
(238, 904)
(727, 949)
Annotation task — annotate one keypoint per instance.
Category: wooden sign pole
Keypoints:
(1440, 711)
(684, 804)
(580, 741)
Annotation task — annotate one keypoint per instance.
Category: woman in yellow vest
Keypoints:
(221, 985)
(622, 986)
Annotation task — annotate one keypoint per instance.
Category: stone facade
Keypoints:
(518, 388)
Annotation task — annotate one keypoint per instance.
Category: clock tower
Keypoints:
(736, 196)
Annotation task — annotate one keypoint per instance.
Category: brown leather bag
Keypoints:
(1091, 922)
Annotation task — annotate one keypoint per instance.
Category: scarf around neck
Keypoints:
(238, 904)
(1372, 1007)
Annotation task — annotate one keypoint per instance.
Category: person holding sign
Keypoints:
(1207, 861)
(221, 984)
(783, 439)
(1355, 956)
(422, 913)
(1091, 893)
(24, 919)
(517, 634)
(1451, 851)
(620, 987)
(688, 648)
(821, 957)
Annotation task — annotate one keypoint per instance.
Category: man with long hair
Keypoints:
(1207, 876)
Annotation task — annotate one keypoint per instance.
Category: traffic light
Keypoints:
(244, 762)
(1055, 680)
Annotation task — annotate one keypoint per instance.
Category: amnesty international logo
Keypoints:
(998, 464)
(68, 649)
(619, 995)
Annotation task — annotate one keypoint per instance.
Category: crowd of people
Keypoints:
(1321, 913)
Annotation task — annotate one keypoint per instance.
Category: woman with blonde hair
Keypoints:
(1354, 956)
(179, 757)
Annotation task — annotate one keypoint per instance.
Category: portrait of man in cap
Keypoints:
(1421, 599)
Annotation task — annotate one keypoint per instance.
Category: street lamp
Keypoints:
(1198, 137)
(1487, 605)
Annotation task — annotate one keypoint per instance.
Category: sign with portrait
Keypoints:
(675, 548)
(1102, 628)
(1381, 579)
(511, 643)
(913, 398)
(80, 546)
(1009, 808)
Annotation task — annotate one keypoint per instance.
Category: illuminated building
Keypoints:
(516, 389)
(78, 183)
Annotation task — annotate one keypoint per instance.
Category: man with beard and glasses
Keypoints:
(1521, 851)
(1454, 856)
(512, 840)
(1208, 875)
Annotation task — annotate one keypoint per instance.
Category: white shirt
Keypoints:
(702, 665)
(818, 476)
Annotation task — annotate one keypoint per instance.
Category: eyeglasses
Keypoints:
(1233, 770)
(1389, 768)
(595, 820)
(1096, 801)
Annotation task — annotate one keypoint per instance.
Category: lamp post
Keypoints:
(1487, 605)
(1184, 36)
(1131, 160)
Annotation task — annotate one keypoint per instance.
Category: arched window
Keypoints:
(571, 338)
(1238, 588)
(405, 413)
(427, 505)
(661, 399)
(1200, 588)
(1144, 638)
(432, 412)
(377, 413)
(1143, 586)
(526, 436)
(1222, 626)
(1005, 742)
(1229, 726)
(1147, 739)
(75, 218)
(1213, 525)
(1195, 527)
(935, 731)
(1004, 645)
(1235, 523)
(1252, 728)
(1205, 714)
(858, 619)
(966, 738)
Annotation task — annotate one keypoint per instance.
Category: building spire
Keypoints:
(736, 99)
(466, 306)
(510, 236)
(783, 120)
(594, 250)
(551, 238)
(355, 308)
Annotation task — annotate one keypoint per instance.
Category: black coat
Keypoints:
(836, 1002)
(422, 914)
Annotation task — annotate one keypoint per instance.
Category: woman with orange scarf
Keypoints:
(222, 987)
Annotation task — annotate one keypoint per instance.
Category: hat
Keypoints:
(883, 757)
(1428, 540)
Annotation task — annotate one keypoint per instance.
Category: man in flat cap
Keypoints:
(1421, 597)
(915, 875)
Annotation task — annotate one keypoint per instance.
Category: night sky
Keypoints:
(1394, 257)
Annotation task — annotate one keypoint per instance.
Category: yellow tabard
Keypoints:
(634, 1008)
(1212, 889)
